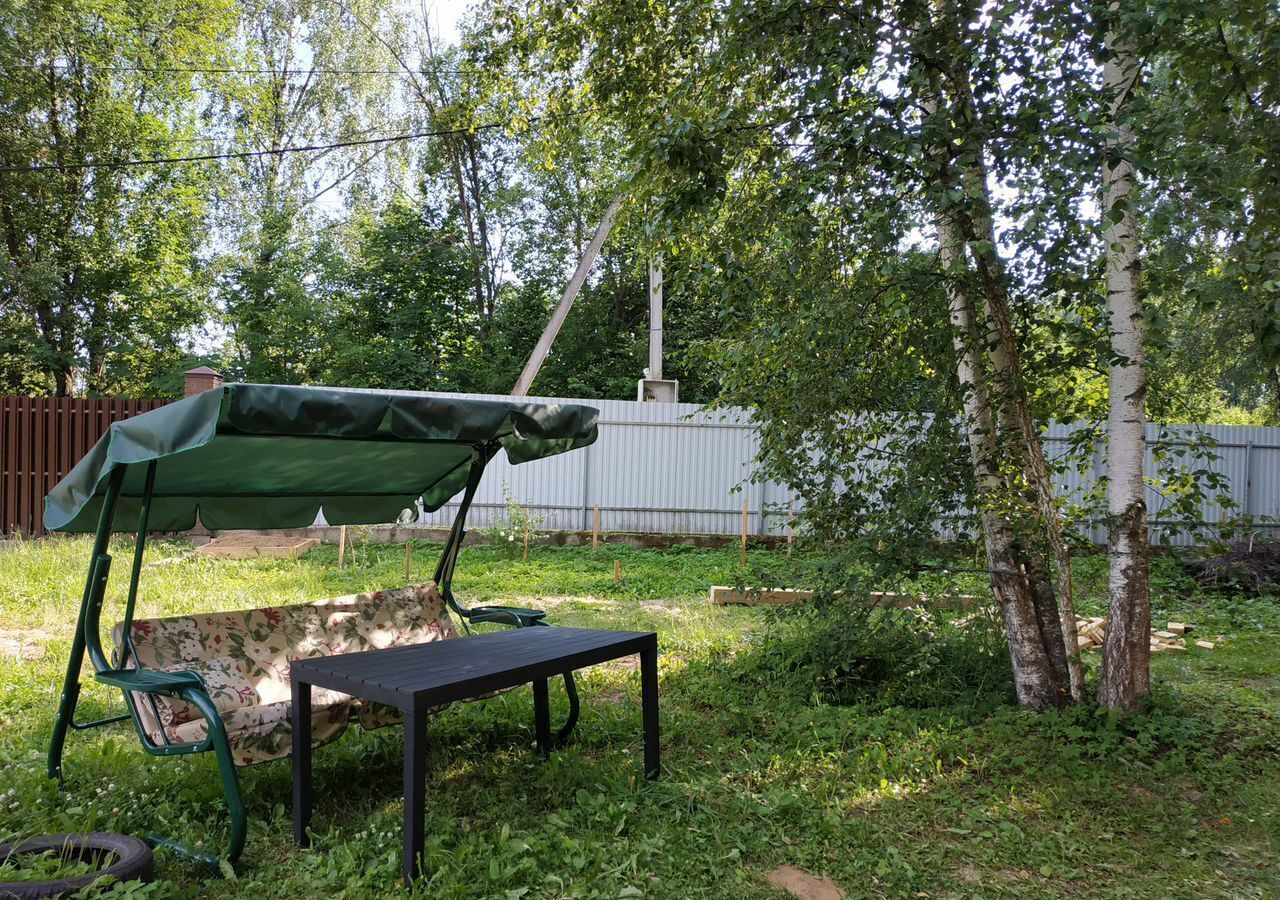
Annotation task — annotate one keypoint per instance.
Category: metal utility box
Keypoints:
(658, 390)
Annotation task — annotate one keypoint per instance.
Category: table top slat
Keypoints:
(421, 674)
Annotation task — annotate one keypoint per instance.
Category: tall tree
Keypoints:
(1041, 627)
(798, 153)
(1125, 654)
(100, 273)
(1207, 144)
(396, 310)
(308, 74)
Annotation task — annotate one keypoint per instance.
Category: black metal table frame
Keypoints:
(418, 709)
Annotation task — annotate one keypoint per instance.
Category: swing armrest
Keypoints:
(150, 681)
(505, 615)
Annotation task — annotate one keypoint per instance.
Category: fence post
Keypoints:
(1248, 478)
(762, 497)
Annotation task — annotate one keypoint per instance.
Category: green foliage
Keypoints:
(303, 76)
(102, 282)
(397, 316)
(1208, 142)
(861, 653)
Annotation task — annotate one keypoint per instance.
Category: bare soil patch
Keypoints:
(802, 884)
(25, 644)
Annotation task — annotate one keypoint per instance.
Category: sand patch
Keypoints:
(799, 883)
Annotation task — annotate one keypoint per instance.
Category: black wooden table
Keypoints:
(417, 678)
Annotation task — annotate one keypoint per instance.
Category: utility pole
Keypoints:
(655, 318)
(653, 388)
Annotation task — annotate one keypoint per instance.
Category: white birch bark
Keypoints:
(1016, 412)
(1126, 650)
(1034, 676)
(1026, 610)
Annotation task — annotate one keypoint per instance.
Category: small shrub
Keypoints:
(507, 530)
(851, 652)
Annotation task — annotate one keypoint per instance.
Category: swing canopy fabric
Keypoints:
(273, 456)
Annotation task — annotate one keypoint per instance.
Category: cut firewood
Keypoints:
(1092, 634)
(1205, 645)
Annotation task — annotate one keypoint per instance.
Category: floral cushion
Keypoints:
(261, 733)
(243, 657)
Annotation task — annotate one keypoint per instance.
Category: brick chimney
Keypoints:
(197, 381)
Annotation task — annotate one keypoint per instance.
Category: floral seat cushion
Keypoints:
(243, 658)
(265, 732)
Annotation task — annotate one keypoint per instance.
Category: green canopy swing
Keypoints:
(270, 456)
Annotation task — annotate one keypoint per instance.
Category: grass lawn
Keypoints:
(976, 800)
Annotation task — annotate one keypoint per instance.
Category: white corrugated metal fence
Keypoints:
(678, 469)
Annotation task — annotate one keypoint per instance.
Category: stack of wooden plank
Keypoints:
(1092, 631)
(1089, 632)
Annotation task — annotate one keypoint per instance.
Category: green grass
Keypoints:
(29, 867)
(970, 800)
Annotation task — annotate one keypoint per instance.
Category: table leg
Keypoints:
(301, 713)
(542, 716)
(415, 785)
(649, 700)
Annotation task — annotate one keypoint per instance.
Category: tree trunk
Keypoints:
(1126, 651)
(1039, 682)
(1013, 405)
(1000, 429)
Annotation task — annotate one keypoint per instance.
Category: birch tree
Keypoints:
(797, 152)
(1040, 626)
(308, 73)
(1126, 651)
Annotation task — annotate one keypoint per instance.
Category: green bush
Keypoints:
(850, 652)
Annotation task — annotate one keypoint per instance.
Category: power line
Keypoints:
(278, 151)
(224, 139)
(284, 73)
(246, 154)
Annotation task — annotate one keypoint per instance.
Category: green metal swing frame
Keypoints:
(87, 641)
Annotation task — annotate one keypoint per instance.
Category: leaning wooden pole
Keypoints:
(543, 347)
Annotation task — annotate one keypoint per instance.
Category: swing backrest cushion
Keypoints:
(243, 657)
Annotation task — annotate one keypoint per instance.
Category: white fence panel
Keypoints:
(675, 468)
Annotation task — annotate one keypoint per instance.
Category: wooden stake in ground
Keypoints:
(744, 531)
(408, 560)
(617, 573)
(526, 534)
(595, 530)
(342, 545)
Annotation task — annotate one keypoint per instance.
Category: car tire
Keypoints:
(131, 860)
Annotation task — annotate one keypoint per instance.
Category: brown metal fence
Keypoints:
(41, 438)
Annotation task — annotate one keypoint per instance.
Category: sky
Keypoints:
(446, 15)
